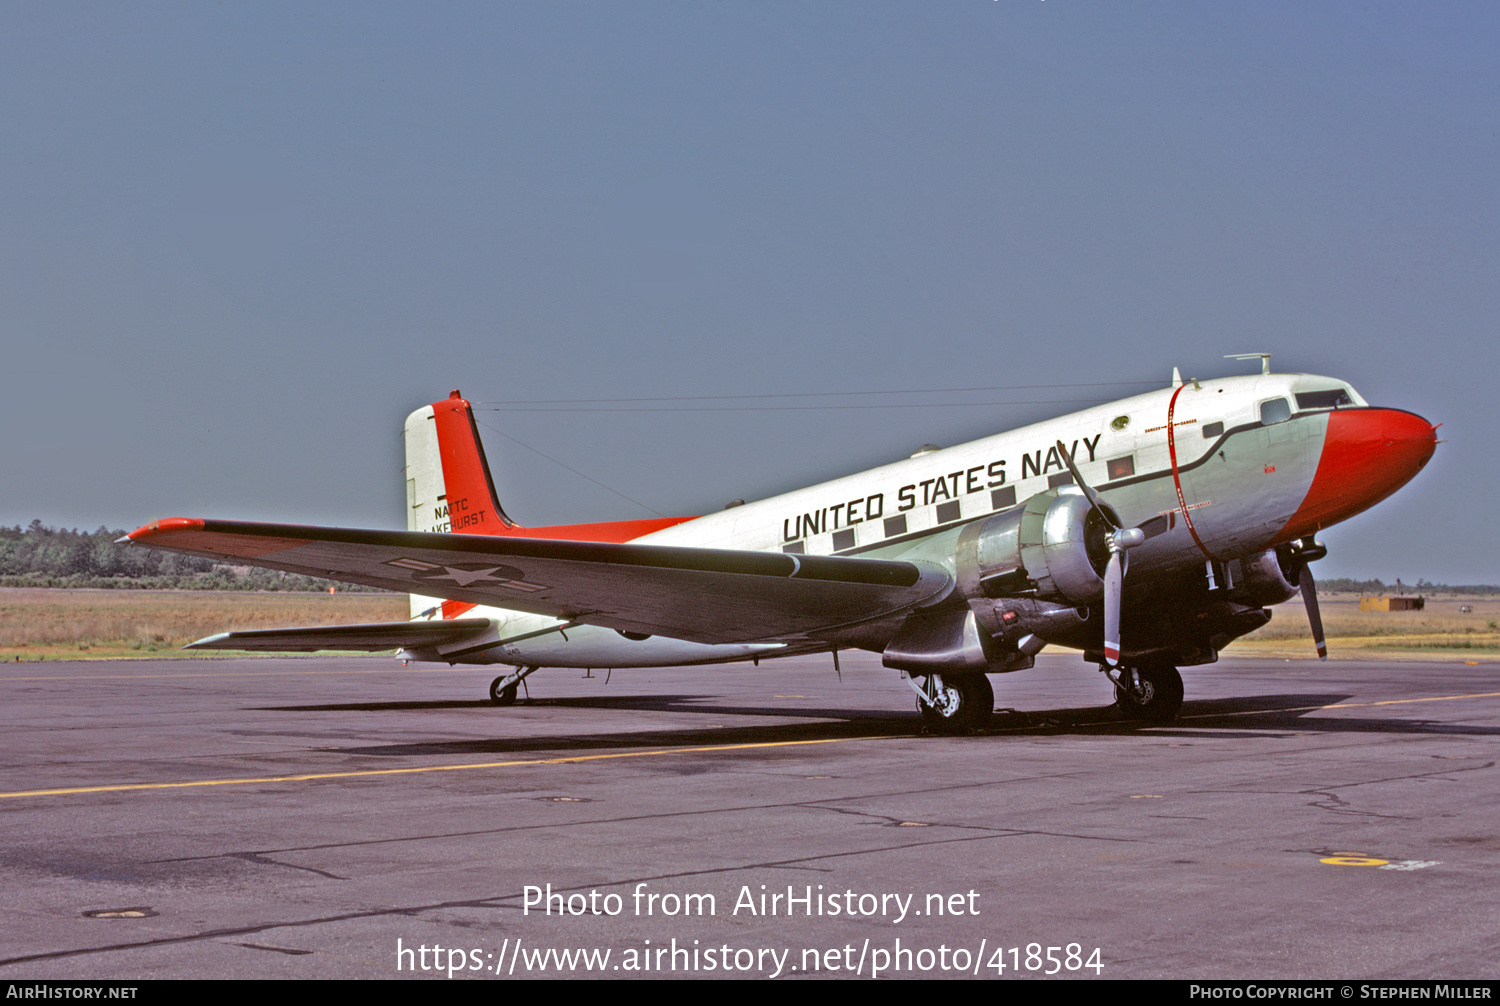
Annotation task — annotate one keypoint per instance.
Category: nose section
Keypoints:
(1367, 455)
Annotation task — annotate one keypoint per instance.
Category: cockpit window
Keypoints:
(1275, 411)
(1324, 399)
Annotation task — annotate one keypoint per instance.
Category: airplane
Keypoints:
(954, 564)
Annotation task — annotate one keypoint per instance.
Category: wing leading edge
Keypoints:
(698, 594)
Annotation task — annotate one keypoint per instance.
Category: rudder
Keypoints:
(448, 483)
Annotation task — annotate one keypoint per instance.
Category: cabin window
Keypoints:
(795, 548)
(1277, 410)
(1331, 399)
(1002, 498)
(895, 525)
(843, 539)
(1121, 468)
(1060, 479)
(1212, 431)
(947, 512)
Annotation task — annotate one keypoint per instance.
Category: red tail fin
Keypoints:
(473, 507)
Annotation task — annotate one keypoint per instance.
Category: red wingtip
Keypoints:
(165, 524)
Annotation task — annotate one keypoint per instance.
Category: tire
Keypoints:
(502, 696)
(982, 706)
(1161, 694)
(965, 702)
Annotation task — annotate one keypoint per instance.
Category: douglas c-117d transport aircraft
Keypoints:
(953, 564)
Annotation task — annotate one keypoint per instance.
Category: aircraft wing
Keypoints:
(698, 594)
(374, 636)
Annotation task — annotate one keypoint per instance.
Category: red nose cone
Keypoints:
(1367, 455)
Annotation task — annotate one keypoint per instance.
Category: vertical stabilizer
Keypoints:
(469, 505)
(448, 482)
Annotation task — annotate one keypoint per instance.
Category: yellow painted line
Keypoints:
(249, 674)
(315, 776)
(1430, 698)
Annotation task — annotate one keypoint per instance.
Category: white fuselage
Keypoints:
(1241, 479)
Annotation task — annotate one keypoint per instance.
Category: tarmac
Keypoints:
(347, 817)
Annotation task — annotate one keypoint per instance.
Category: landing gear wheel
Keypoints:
(1156, 695)
(963, 702)
(502, 696)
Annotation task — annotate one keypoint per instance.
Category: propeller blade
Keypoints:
(1114, 575)
(1314, 618)
(1119, 540)
(1088, 490)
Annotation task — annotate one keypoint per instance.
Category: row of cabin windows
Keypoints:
(894, 527)
(952, 511)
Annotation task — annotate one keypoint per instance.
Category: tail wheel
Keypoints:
(1154, 692)
(963, 703)
(502, 696)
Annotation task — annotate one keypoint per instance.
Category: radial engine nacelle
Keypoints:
(1028, 576)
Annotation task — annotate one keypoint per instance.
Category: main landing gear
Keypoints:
(1151, 692)
(956, 703)
(503, 688)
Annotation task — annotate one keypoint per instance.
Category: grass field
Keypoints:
(56, 624)
(1439, 631)
(74, 624)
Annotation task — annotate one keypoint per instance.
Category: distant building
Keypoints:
(1392, 603)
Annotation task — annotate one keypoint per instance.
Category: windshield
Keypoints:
(1330, 399)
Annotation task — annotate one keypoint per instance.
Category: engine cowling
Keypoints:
(1050, 547)
(1027, 575)
(1034, 570)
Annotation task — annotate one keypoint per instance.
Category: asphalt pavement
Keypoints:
(350, 817)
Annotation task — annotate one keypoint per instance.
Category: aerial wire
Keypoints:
(824, 394)
(812, 408)
(570, 468)
(527, 406)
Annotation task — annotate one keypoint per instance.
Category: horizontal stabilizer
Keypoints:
(373, 637)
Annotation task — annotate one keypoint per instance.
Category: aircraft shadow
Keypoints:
(904, 726)
(628, 703)
(1257, 714)
(1244, 716)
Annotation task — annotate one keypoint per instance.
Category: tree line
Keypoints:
(1423, 587)
(40, 556)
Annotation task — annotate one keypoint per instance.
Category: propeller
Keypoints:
(1303, 552)
(1114, 577)
(1119, 540)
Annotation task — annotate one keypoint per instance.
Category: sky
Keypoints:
(240, 242)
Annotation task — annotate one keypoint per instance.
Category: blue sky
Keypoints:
(239, 242)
